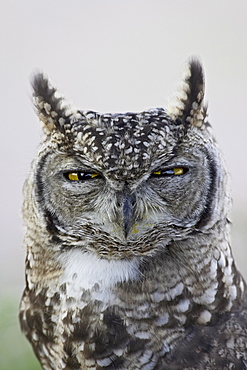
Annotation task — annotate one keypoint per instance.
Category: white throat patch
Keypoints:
(83, 270)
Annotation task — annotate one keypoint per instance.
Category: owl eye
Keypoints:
(171, 172)
(80, 176)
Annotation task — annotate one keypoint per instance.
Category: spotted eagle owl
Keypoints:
(128, 256)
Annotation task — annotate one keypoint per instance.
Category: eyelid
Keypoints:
(174, 171)
(77, 176)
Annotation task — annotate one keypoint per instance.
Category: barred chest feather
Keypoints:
(105, 315)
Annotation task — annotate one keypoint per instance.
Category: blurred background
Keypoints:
(111, 56)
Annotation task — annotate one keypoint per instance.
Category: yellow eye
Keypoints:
(170, 172)
(73, 176)
(178, 170)
(157, 173)
(80, 176)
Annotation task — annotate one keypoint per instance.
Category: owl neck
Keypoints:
(192, 278)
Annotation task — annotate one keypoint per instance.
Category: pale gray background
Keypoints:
(116, 56)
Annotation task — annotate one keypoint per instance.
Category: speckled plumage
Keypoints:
(130, 266)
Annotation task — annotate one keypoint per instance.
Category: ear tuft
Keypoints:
(52, 109)
(189, 106)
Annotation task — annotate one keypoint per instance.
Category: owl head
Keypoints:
(125, 185)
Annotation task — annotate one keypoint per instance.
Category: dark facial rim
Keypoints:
(51, 219)
(205, 215)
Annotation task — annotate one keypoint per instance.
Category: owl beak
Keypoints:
(127, 210)
(128, 205)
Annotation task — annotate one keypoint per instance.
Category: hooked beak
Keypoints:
(128, 212)
(126, 215)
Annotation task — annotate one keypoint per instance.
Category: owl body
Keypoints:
(129, 264)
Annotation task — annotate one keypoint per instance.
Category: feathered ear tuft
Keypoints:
(52, 109)
(189, 106)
